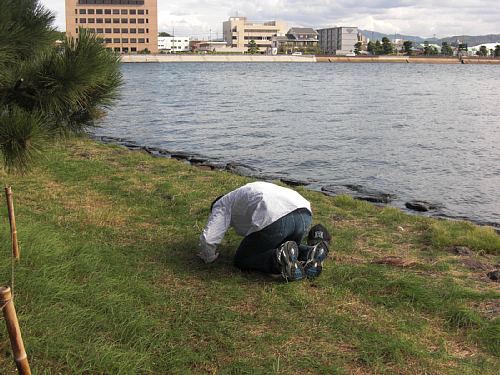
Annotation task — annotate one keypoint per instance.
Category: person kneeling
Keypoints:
(273, 220)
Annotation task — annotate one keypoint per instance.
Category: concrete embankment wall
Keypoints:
(407, 60)
(215, 58)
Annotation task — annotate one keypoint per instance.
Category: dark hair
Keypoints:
(215, 201)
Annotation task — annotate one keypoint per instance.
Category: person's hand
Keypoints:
(208, 252)
(208, 258)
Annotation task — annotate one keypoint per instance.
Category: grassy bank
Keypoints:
(109, 283)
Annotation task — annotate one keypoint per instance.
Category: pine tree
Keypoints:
(252, 47)
(47, 90)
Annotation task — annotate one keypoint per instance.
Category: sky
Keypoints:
(425, 18)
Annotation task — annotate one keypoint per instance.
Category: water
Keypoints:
(426, 132)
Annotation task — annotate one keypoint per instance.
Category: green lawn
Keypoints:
(108, 281)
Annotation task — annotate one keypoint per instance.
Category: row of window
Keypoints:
(111, 11)
(126, 40)
(111, 20)
(117, 31)
(114, 2)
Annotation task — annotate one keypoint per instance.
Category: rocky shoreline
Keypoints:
(356, 191)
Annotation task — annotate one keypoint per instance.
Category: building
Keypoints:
(238, 32)
(297, 39)
(173, 44)
(338, 40)
(490, 47)
(126, 26)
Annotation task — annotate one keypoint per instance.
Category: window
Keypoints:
(133, 49)
(76, 11)
(125, 49)
(147, 11)
(76, 30)
(124, 40)
(90, 11)
(99, 31)
(141, 40)
(140, 20)
(124, 31)
(140, 11)
(76, 20)
(124, 20)
(147, 40)
(98, 11)
(83, 20)
(147, 31)
(140, 31)
(132, 11)
(83, 11)
(107, 20)
(98, 20)
(107, 11)
(133, 40)
(124, 11)
(117, 49)
(133, 20)
(107, 31)
(116, 11)
(116, 31)
(147, 20)
(116, 40)
(91, 20)
(133, 31)
(116, 20)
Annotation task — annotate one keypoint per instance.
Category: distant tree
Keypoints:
(387, 47)
(370, 47)
(252, 47)
(446, 49)
(497, 50)
(357, 48)
(483, 51)
(163, 33)
(429, 50)
(378, 49)
(145, 51)
(407, 46)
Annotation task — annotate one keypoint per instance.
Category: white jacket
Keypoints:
(247, 209)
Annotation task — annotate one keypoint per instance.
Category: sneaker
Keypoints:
(315, 257)
(291, 269)
(317, 234)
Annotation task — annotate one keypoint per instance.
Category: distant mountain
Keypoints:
(470, 40)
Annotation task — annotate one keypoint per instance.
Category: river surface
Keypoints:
(426, 132)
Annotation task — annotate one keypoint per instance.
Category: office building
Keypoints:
(173, 44)
(238, 32)
(338, 40)
(126, 26)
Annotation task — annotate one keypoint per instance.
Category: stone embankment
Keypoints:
(356, 191)
(216, 58)
(176, 58)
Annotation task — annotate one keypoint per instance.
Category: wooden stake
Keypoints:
(12, 219)
(16, 341)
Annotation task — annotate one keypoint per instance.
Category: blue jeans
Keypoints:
(257, 251)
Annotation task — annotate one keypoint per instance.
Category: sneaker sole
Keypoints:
(291, 268)
(314, 264)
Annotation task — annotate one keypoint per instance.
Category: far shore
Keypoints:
(232, 58)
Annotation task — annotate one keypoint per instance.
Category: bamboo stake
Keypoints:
(16, 341)
(12, 219)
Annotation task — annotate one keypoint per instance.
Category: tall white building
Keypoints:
(238, 32)
(337, 40)
(173, 44)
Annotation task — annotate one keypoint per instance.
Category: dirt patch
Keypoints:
(476, 265)
(395, 261)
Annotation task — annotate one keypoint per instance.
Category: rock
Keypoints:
(197, 160)
(420, 206)
(459, 250)
(494, 275)
(359, 192)
(180, 155)
(241, 169)
(293, 182)
(107, 139)
(475, 265)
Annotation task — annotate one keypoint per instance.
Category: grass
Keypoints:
(109, 282)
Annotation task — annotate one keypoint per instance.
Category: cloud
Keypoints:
(415, 17)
